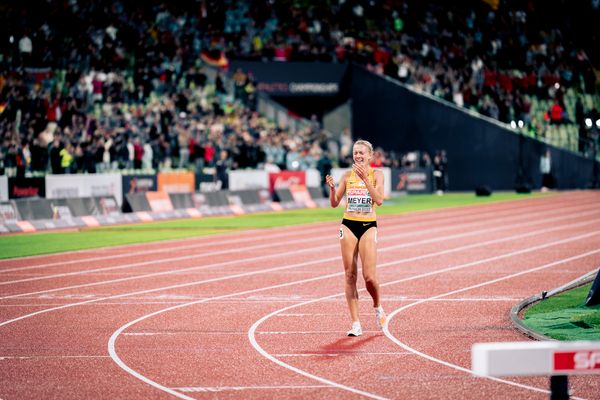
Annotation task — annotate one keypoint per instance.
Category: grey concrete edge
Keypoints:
(517, 308)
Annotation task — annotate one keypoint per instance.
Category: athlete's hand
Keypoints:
(329, 181)
(360, 171)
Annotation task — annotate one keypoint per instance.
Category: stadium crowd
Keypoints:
(98, 85)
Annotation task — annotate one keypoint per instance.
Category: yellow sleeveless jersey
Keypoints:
(358, 198)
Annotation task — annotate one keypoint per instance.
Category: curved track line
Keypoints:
(251, 332)
(113, 338)
(453, 292)
(235, 262)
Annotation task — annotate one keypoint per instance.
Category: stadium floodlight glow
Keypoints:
(557, 85)
(588, 122)
(521, 123)
(598, 123)
(513, 124)
(11, 39)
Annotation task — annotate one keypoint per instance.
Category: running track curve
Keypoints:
(261, 314)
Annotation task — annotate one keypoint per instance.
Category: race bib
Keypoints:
(359, 200)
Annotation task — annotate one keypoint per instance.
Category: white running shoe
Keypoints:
(381, 317)
(356, 329)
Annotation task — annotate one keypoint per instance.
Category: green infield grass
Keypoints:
(20, 245)
(565, 316)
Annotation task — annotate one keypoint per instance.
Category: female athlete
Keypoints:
(363, 187)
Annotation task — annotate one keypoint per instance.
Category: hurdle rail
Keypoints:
(553, 358)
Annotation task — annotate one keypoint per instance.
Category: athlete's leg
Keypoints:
(349, 248)
(368, 257)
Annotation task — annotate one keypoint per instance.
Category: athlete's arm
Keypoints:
(335, 196)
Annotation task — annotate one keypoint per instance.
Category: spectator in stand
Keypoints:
(66, 159)
(138, 153)
(25, 49)
(378, 160)
(55, 156)
(556, 113)
(270, 166)
(439, 173)
(546, 170)
(222, 167)
(476, 56)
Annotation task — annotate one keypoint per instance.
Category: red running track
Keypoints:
(261, 314)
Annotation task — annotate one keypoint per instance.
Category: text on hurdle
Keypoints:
(553, 358)
(536, 358)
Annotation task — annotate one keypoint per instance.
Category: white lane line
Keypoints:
(514, 205)
(171, 250)
(171, 272)
(111, 342)
(307, 332)
(345, 353)
(285, 267)
(161, 261)
(236, 242)
(5, 358)
(257, 258)
(247, 302)
(251, 332)
(264, 353)
(453, 292)
(198, 243)
(234, 250)
(213, 389)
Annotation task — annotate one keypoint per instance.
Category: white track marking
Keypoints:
(253, 232)
(213, 389)
(285, 267)
(202, 245)
(345, 353)
(196, 242)
(111, 342)
(307, 332)
(246, 302)
(219, 252)
(165, 250)
(264, 353)
(257, 258)
(251, 332)
(3, 358)
(453, 292)
(235, 250)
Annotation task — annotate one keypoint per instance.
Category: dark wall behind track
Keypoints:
(480, 152)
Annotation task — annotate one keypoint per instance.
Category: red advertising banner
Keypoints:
(577, 361)
(286, 179)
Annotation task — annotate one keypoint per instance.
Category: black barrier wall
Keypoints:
(480, 151)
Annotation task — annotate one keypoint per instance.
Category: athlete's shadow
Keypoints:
(347, 345)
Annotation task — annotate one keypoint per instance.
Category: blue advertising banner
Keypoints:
(295, 78)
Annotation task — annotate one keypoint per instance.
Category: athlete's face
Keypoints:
(361, 154)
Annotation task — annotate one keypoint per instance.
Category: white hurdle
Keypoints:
(553, 358)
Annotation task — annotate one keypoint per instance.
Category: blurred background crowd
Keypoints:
(101, 85)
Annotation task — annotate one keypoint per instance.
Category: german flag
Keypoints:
(492, 3)
(215, 57)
